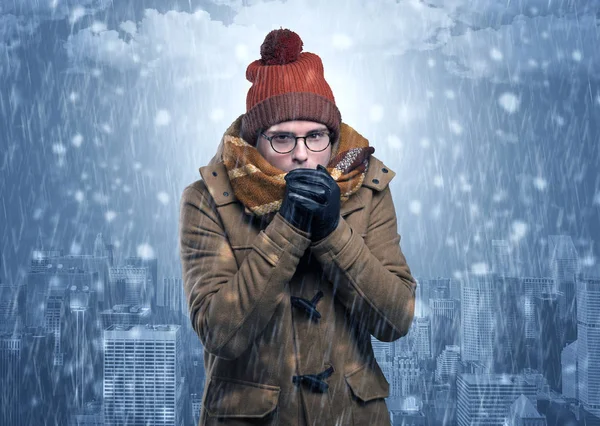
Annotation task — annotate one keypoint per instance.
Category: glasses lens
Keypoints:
(283, 143)
(317, 141)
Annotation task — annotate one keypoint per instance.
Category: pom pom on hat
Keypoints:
(281, 47)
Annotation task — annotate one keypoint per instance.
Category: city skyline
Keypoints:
(443, 348)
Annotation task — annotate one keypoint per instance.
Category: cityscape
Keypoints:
(91, 340)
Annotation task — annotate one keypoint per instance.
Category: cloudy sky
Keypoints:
(487, 110)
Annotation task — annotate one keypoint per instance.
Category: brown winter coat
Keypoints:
(240, 276)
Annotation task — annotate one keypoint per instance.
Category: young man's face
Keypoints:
(300, 156)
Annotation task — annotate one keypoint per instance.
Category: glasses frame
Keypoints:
(270, 139)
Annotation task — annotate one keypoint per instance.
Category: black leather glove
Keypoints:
(312, 201)
(328, 218)
(301, 200)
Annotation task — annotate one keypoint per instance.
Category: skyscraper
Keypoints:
(26, 387)
(130, 285)
(142, 375)
(447, 364)
(503, 262)
(151, 265)
(563, 269)
(550, 347)
(423, 338)
(568, 361)
(8, 307)
(477, 314)
(174, 295)
(588, 343)
(82, 331)
(445, 324)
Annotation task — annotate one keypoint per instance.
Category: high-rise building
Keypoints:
(568, 360)
(422, 328)
(486, 399)
(46, 263)
(406, 377)
(27, 392)
(174, 295)
(563, 269)
(508, 318)
(445, 324)
(504, 262)
(104, 250)
(533, 287)
(439, 288)
(8, 307)
(588, 343)
(55, 312)
(427, 289)
(151, 265)
(82, 332)
(55, 277)
(550, 346)
(130, 285)
(477, 315)
(383, 351)
(447, 364)
(143, 381)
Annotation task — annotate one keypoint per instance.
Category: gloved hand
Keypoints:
(312, 201)
(328, 218)
(301, 200)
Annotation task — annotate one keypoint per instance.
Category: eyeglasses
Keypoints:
(284, 143)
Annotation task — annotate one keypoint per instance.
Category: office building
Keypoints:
(143, 381)
(485, 399)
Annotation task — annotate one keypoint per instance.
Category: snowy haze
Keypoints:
(486, 110)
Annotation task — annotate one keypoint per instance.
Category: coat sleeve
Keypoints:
(370, 276)
(229, 307)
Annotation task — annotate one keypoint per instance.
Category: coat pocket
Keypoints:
(231, 398)
(369, 389)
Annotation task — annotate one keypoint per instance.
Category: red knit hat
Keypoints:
(287, 84)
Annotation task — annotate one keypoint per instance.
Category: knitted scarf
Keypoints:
(260, 186)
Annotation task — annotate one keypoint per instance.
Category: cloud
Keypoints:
(528, 48)
(359, 28)
(13, 29)
(190, 44)
(19, 20)
(52, 9)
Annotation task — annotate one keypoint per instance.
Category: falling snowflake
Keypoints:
(415, 207)
(455, 127)
(509, 101)
(480, 268)
(496, 54)
(77, 140)
(163, 197)
(162, 118)
(540, 183)
(110, 215)
(145, 251)
(518, 230)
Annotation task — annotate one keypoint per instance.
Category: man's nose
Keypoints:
(300, 152)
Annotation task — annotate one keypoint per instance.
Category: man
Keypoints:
(291, 257)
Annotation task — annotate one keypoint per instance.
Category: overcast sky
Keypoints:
(486, 110)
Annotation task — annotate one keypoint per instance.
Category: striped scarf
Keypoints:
(260, 186)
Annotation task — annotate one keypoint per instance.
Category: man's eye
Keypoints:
(282, 138)
(316, 135)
